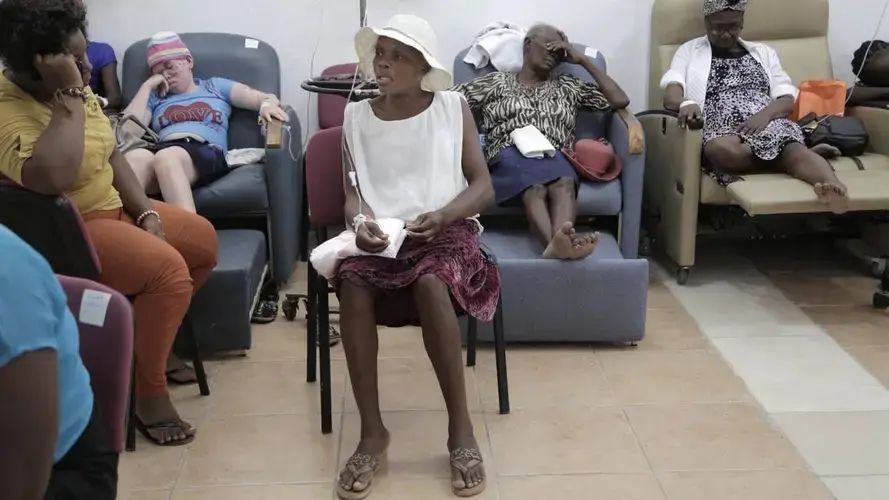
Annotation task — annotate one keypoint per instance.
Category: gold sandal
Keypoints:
(358, 465)
(472, 459)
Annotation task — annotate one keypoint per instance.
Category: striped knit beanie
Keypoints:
(166, 46)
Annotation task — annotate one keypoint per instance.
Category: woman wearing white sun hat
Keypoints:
(413, 155)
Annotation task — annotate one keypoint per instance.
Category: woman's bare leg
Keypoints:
(566, 244)
(175, 174)
(808, 166)
(140, 160)
(539, 220)
(441, 336)
(729, 155)
(361, 345)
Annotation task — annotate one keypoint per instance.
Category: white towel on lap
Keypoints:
(327, 256)
(499, 44)
(531, 142)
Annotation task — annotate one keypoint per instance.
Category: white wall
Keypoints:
(619, 28)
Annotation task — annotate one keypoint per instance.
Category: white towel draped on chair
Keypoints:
(499, 44)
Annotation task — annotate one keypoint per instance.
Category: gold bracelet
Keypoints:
(58, 97)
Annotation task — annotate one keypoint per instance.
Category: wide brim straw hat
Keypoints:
(412, 31)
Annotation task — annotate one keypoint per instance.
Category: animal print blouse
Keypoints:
(506, 104)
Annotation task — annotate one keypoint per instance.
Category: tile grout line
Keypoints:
(820, 333)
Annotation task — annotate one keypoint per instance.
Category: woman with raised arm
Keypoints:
(55, 139)
(539, 96)
(190, 115)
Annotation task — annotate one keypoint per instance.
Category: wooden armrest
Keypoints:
(274, 136)
(634, 131)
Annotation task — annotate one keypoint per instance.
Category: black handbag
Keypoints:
(846, 133)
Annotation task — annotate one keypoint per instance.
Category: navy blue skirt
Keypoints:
(512, 173)
(209, 161)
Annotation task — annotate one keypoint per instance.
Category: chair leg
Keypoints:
(324, 355)
(312, 325)
(471, 341)
(500, 354)
(130, 443)
(197, 361)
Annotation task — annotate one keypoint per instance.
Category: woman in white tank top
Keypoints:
(415, 157)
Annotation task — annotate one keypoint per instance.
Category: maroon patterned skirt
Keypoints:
(453, 256)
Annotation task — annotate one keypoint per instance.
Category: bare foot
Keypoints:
(161, 421)
(356, 478)
(833, 195)
(467, 467)
(584, 246)
(562, 244)
(826, 151)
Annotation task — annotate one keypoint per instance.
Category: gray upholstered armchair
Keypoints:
(269, 195)
(621, 197)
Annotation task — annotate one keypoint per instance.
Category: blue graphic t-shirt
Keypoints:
(203, 112)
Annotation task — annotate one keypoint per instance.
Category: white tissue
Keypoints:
(532, 143)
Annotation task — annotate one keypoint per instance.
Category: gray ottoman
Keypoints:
(599, 299)
(220, 312)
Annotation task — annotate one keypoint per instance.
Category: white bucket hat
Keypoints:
(412, 31)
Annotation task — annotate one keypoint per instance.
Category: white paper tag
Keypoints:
(251, 43)
(94, 307)
(591, 52)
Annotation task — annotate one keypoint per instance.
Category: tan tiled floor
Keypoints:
(668, 420)
(837, 298)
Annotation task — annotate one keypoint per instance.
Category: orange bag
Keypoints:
(822, 97)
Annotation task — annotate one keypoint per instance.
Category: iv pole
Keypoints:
(344, 85)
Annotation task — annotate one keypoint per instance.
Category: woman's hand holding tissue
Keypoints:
(370, 238)
(426, 226)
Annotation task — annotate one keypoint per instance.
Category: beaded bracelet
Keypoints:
(78, 92)
(143, 215)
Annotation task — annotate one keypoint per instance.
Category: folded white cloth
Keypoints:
(327, 256)
(238, 157)
(531, 142)
(499, 44)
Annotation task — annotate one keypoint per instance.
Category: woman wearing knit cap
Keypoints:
(741, 96)
(191, 118)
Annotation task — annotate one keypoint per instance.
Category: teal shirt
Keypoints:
(34, 315)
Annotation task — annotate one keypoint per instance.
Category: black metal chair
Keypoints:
(323, 163)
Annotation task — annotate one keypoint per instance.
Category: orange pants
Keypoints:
(161, 277)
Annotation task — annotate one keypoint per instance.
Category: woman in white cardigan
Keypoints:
(741, 96)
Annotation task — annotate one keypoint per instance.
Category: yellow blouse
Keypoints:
(23, 119)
